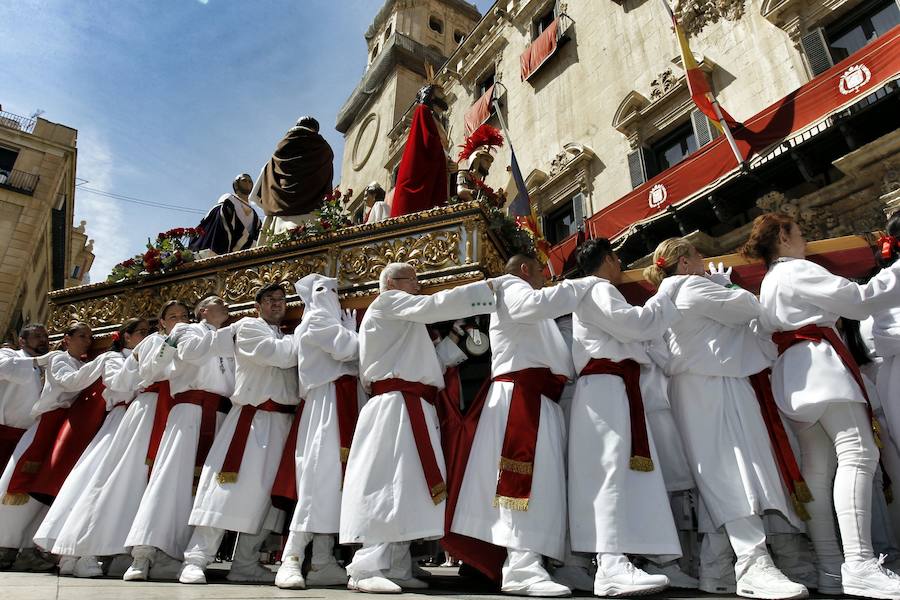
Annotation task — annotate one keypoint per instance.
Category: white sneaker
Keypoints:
(413, 583)
(374, 585)
(546, 588)
(290, 574)
(627, 580)
(191, 574)
(762, 579)
(722, 585)
(252, 573)
(67, 565)
(87, 566)
(677, 578)
(870, 578)
(574, 578)
(325, 575)
(138, 571)
(164, 567)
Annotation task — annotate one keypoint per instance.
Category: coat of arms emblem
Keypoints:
(854, 78)
(657, 195)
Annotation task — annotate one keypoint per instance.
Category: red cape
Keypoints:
(422, 180)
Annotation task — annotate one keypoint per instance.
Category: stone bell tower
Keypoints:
(404, 35)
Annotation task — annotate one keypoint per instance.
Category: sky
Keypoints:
(174, 98)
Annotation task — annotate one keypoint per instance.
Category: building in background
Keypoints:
(598, 108)
(40, 250)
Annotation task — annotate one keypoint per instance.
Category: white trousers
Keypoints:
(748, 540)
(838, 462)
(322, 550)
(387, 559)
(205, 543)
(522, 568)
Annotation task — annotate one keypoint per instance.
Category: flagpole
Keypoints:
(505, 131)
(727, 130)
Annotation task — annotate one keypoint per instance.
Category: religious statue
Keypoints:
(232, 224)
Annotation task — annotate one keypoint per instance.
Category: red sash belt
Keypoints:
(160, 416)
(209, 404)
(630, 372)
(346, 391)
(412, 391)
(9, 439)
(781, 445)
(235, 454)
(284, 488)
(816, 333)
(62, 436)
(520, 439)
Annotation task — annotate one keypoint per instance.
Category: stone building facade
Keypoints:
(40, 250)
(609, 108)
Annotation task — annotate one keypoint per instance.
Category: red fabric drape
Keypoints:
(32, 460)
(422, 180)
(284, 488)
(9, 439)
(160, 416)
(235, 453)
(210, 404)
(479, 112)
(539, 50)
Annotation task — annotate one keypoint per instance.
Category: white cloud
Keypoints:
(104, 216)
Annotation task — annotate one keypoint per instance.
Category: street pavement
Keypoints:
(445, 583)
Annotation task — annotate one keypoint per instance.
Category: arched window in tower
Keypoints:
(435, 24)
(458, 36)
(387, 32)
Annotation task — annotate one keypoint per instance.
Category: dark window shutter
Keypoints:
(815, 48)
(704, 130)
(640, 166)
(578, 209)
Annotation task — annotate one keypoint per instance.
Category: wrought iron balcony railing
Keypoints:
(17, 122)
(19, 181)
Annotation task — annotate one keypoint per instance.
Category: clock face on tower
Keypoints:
(365, 140)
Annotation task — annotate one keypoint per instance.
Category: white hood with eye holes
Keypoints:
(319, 293)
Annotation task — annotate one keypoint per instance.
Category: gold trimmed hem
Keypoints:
(439, 493)
(516, 466)
(510, 503)
(345, 454)
(226, 477)
(17, 499)
(799, 508)
(640, 463)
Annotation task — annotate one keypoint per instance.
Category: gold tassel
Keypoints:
(799, 508)
(802, 491)
(17, 499)
(640, 463)
(345, 454)
(439, 493)
(515, 466)
(149, 462)
(876, 433)
(224, 478)
(519, 504)
(31, 467)
(198, 471)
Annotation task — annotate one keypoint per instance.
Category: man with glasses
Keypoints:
(394, 488)
(237, 475)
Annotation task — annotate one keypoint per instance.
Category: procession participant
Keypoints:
(201, 383)
(394, 485)
(21, 375)
(327, 354)
(614, 478)
(886, 335)
(521, 506)
(100, 519)
(376, 208)
(119, 390)
(65, 378)
(818, 386)
(715, 351)
(232, 224)
(673, 463)
(237, 476)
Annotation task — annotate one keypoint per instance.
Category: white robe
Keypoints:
(65, 377)
(714, 349)
(326, 350)
(886, 332)
(20, 388)
(265, 369)
(798, 292)
(386, 498)
(380, 211)
(116, 377)
(103, 513)
(523, 335)
(203, 360)
(615, 509)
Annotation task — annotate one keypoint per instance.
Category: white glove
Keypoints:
(43, 361)
(176, 334)
(719, 274)
(348, 319)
